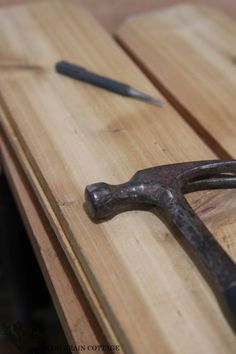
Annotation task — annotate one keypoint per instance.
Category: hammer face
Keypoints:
(99, 200)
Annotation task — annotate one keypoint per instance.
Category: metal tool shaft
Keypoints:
(80, 73)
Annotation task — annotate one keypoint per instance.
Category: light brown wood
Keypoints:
(145, 290)
(77, 319)
(190, 53)
(76, 266)
(110, 13)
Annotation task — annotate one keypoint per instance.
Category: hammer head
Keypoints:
(155, 186)
(104, 200)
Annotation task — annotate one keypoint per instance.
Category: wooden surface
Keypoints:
(75, 314)
(110, 13)
(144, 289)
(194, 62)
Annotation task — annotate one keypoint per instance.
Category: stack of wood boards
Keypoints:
(144, 289)
(75, 314)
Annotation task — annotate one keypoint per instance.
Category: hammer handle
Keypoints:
(195, 236)
(230, 299)
(79, 73)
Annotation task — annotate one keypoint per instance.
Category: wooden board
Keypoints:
(110, 13)
(190, 53)
(74, 312)
(145, 290)
(40, 195)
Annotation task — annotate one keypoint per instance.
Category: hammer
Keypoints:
(163, 187)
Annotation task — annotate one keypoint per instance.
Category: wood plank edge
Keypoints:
(107, 329)
(52, 261)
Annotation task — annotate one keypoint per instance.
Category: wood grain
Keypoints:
(145, 290)
(190, 53)
(76, 317)
(74, 262)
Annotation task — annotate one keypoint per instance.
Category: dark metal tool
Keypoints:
(163, 187)
(80, 73)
